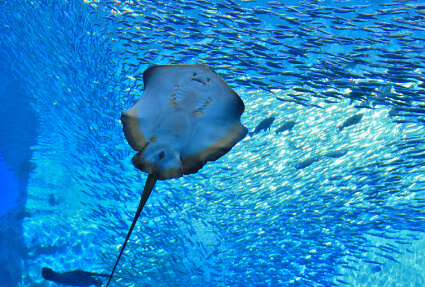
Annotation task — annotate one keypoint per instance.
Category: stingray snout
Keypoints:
(159, 160)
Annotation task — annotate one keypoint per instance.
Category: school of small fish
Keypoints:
(329, 183)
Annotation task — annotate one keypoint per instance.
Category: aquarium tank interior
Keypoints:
(295, 147)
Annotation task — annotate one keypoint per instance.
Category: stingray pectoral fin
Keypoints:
(149, 185)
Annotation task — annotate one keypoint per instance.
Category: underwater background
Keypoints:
(327, 202)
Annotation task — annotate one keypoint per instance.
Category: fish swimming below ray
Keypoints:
(307, 162)
(287, 126)
(336, 153)
(73, 278)
(351, 121)
(188, 115)
(263, 125)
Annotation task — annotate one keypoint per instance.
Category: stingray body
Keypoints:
(187, 116)
(73, 278)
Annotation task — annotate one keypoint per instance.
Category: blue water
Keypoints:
(9, 190)
(276, 210)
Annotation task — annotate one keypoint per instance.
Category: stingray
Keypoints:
(188, 115)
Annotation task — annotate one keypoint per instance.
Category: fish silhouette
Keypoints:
(287, 126)
(351, 121)
(73, 278)
(263, 125)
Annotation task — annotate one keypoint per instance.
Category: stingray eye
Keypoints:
(161, 155)
(194, 74)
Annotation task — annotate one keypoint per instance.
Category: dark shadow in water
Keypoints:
(18, 132)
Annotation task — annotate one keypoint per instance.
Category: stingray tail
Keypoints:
(149, 185)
